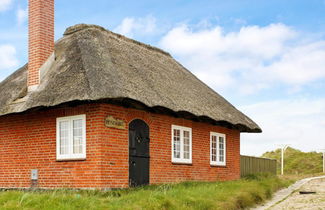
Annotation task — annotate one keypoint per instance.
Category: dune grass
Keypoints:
(188, 195)
(297, 162)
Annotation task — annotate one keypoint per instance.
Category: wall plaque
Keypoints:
(111, 122)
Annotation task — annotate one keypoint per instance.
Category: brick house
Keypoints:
(99, 110)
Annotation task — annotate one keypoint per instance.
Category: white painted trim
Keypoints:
(46, 66)
(182, 129)
(218, 163)
(71, 156)
(32, 88)
(42, 71)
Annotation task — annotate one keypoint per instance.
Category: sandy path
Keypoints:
(290, 198)
(305, 201)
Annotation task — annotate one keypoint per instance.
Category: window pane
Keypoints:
(214, 148)
(77, 137)
(177, 143)
(64, 137)
(186, 145)
(221, 149)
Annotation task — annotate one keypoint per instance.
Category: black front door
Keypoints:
(139, 158)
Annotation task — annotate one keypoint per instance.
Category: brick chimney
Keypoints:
(41, 38)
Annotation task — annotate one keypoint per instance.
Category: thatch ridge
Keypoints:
(79, 27)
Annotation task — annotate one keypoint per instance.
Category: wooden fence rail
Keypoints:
(251, 165)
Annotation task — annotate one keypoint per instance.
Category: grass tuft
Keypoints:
(230, 195)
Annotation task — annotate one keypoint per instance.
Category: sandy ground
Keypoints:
(290, 198)
(305, 201)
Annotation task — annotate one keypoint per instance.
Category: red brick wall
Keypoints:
(41, 36)
(28, 141)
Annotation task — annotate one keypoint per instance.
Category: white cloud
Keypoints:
(250, 59)
(301, 64)
(298, 122)
(5, 4)
(133, 26)
(252, 41)
(8, 57)
(22, 15)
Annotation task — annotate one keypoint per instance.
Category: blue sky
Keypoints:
(265, 57)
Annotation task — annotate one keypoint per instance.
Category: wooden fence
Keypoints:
(251, 165)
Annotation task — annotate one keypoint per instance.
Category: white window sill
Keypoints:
(218, 164)
(182, 162)
(61, 159)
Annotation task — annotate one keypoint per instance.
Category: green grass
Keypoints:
(297, 162)
(188, 195)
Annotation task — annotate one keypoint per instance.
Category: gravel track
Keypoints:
(290, 198)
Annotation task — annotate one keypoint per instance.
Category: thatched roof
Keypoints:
(92, 64)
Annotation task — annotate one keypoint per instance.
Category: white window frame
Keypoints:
(71, 156)
(217, 162)
(181, 159)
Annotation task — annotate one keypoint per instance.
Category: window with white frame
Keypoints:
(181, 144)
(217, 149)
(71, 138)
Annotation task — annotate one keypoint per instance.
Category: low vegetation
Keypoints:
(189, 195)
(297, 162)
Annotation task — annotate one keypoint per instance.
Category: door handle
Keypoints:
(139, 139)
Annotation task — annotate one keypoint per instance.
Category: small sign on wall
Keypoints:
(34, 174)
(111, 122)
